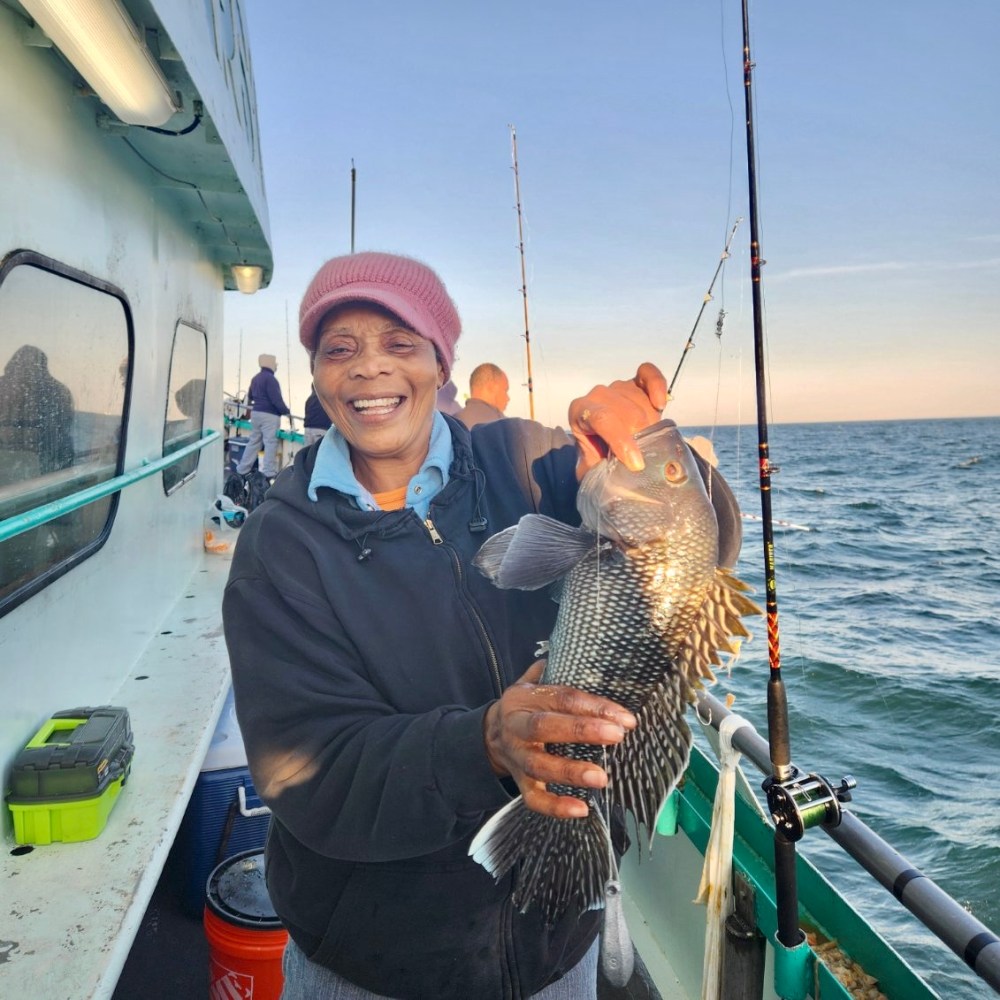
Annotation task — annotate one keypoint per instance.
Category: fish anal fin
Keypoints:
(645, 768)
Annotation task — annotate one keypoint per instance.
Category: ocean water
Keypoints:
(890, 649)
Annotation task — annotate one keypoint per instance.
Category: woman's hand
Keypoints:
(529, 715)
(609, 416)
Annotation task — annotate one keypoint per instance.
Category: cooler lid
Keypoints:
(226, 749)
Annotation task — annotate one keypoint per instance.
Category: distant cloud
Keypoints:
(889, 265)
(969, 265)
(813, 272)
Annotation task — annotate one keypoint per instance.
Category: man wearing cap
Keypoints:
(387, 692)
(267, 407)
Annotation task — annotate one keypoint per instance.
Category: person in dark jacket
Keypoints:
(489, 394)
(316, 421)
(386, 692)
(267, 407)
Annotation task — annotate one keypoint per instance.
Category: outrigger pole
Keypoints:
(795, 800)
(704, 302)
(524, 279)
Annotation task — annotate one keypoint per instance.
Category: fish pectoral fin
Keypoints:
(535, 552)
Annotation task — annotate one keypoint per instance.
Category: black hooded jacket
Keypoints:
(365, 650)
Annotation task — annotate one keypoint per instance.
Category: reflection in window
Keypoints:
(185, 402)
(64, 357)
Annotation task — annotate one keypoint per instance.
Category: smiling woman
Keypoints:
(372, 663)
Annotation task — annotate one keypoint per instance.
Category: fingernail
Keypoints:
(594, 778)
(634, 460)
(612, 733)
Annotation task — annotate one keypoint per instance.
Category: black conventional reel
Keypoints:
(803, 801)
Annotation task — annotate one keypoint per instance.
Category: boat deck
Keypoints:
(71, 911)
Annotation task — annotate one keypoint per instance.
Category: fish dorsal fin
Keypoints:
(718, 630)
(533, 553)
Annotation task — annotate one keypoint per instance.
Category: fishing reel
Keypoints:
(803, 801)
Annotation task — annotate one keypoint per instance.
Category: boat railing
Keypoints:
(946, 919)
(26, 520)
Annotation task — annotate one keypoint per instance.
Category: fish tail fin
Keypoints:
(563, 862)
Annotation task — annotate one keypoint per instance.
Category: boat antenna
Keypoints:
(524, 280)
(354, 182)
(789, 933)
(704, 302)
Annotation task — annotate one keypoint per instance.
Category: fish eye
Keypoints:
(673, 472)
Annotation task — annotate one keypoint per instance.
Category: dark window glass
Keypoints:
(185, 402)
(64, 371)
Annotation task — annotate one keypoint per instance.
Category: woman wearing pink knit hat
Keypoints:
(381, 681)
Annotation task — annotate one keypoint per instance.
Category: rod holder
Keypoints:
(792, 970)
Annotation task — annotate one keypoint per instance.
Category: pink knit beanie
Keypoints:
(402, 285)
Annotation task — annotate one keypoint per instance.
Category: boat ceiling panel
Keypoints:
(210, 148)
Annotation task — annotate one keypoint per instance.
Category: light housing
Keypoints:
(104, 45)
(248, 277)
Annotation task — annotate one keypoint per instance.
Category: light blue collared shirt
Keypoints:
(333, 469)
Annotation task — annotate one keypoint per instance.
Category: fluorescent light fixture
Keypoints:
(248, 277)
(100, 39)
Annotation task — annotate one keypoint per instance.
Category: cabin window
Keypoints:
(185, 403)
(65, 349)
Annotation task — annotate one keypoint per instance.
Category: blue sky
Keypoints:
(878, 141)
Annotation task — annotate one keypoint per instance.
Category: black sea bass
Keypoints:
(646, 606)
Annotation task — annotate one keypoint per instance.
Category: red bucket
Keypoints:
(245, 938)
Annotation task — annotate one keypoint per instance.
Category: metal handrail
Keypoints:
(946, 919)
(20, 523)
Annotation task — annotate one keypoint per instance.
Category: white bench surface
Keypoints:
(70, 912)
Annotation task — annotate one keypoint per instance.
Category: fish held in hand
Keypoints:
(647, 606)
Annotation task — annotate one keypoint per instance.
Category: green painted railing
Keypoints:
(20, 523)
(244, 426)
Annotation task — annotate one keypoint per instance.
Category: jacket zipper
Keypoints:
(437, 539)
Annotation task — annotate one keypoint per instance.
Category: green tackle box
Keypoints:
(69, 775)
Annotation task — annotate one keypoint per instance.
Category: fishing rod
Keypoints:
(704, 302)
(796, 801)
(354, 178)
(524, 280)
(288, 359)
(239, 368)
(789, 933)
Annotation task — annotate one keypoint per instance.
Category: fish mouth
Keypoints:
(653, 429)
(376, 406)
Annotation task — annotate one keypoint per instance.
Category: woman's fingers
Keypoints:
(528, 717)
(608, 417)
